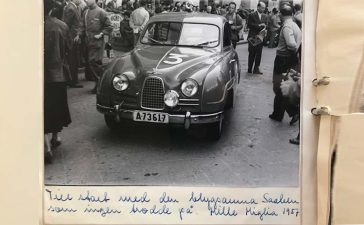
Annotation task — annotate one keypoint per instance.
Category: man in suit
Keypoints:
(72, 17)
(257, 21)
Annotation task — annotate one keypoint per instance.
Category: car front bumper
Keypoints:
(185, 119)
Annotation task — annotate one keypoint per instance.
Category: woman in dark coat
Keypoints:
(56, 112)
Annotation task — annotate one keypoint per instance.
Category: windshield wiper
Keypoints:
(206, 43)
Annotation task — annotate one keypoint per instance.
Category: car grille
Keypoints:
(153, 94)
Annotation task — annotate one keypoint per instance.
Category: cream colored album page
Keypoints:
(340, 50)
(146, 174)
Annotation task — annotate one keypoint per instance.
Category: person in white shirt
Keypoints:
(138, 19)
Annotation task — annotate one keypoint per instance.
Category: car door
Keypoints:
(229, 55)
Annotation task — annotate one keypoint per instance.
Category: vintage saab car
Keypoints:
(183, 70)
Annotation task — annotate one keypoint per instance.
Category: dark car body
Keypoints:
(154, 69)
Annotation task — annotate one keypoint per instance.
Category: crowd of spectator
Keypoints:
(178, 6)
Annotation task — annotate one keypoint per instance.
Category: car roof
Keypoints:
(185, 17)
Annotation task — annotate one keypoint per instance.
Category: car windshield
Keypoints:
(184, 34)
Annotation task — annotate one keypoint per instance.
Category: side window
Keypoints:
(227, 35)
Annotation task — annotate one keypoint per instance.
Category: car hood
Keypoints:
(172, 62)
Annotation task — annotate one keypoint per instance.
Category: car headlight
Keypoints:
(120, 82)
(189, 87)
(171, 98)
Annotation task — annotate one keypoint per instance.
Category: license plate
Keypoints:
(152, 117)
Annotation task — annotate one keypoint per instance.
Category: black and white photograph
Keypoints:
(172, 92)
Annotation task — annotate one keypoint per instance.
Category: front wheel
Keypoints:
(214, 130)
(111, 122)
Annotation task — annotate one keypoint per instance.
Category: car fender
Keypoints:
(215, 86)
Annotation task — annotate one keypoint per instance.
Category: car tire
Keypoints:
(111, 122)
(214, 130)
(230, 100)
